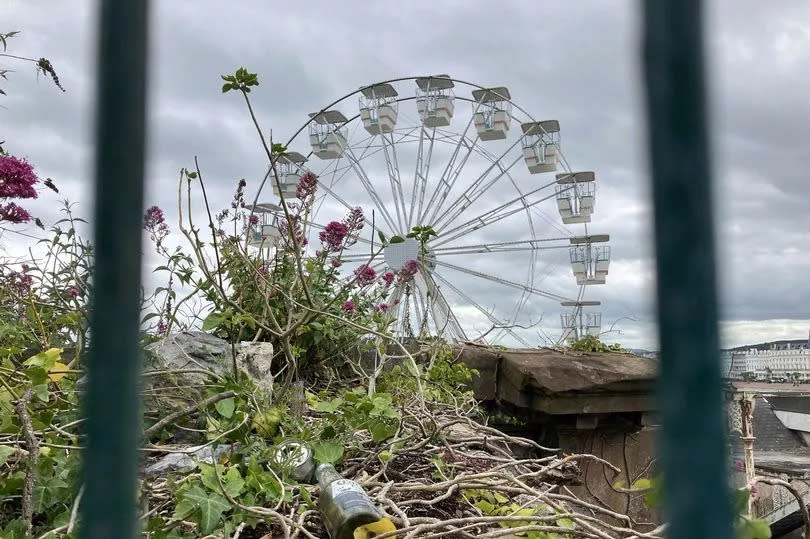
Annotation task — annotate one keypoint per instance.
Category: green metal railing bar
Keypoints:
(696, 493)
(111, 402)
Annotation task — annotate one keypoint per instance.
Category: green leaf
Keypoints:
(327, 452)
(397, 239)
(225, 407)
(641, 484)
(381, 235)
(41, 392)
(381, 430)
(211, 506)
(47, 492)
(212, 321)
(5, 453)
(330, 406)
(752, 529)
(233, 482)
(44, 359)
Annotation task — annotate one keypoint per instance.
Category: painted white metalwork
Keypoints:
(468, 186)
(379, 108)
(435, 101)
(576, 193)
(578, 323)
(494, 116)
(289, 171)
(590, 262)
(327, 136)
(541, 145)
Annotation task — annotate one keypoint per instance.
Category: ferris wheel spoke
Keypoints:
(421, 173)
(375, 197)
(443, 316)
(487, 314)
(348, 206)
(504, 246)
(392, 165)
(473, 193)
(494, 215)
(443, 186)
(357, 257)
(501, 280)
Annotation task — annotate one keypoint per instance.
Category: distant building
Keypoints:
(784, 361)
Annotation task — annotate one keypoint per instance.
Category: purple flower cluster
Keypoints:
(365, 275)
(348, 306)
(388, 278)
(300, 239)
(154, 222)
(333, 235)
(407, 272)
(17, 178)
(354, 222)
(336, 263)
(306, 186)
(380, 307)
(14, 214)
(19, 283)
(73, 292)
(253, 219)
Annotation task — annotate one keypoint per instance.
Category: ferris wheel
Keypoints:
(509, 238)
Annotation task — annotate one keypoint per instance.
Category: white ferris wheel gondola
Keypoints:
(496, 243)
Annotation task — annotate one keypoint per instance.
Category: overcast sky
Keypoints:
(579, 65)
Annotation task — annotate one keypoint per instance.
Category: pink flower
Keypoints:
(336, 263)
(161, 327)
(381, 307)
(14, 214)
(348, 306)
(388, 277)
(333, 234)
(407, 272)
(306, 186)
(365, 275)
(253, 219)
(354, 223)
(17, 178)
(412, 266)
(73, 292)
(154, 222)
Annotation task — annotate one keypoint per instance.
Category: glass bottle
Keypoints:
(343, 504)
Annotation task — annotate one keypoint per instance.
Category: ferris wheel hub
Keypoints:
(396, 254)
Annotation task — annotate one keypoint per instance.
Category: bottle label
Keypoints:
(342, 486)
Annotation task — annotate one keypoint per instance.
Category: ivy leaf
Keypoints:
(211, 506)
(57, 371)
(44, 359)
(233, 482)
(380, 430)
(47, 493)
(41, 392)
(225, 407)
(327, 452)
(330, 406)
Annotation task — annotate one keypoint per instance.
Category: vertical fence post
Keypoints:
(696, 500)
(112, 400)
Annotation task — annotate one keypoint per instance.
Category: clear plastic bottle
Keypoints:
(343, 504)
